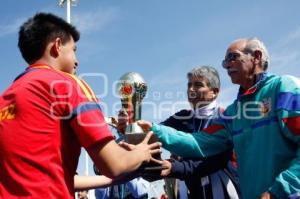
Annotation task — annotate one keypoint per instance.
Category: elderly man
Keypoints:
(262, 123)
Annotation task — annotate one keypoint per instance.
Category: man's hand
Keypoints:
(267, 195)
(145, 125)
(167, 170)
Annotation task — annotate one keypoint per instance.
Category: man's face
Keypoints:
(239, 65)
(199, 94)
(68, 60)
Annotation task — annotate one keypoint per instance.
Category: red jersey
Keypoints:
(45, 117)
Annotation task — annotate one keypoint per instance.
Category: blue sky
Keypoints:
(160, 39)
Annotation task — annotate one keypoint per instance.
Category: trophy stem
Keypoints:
(137, 111)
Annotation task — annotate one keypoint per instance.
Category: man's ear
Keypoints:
(215, 92)
(257, 54)
(55, 47)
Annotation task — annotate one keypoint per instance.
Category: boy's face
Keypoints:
(68, 61)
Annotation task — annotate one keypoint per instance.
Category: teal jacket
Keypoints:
(263, 125)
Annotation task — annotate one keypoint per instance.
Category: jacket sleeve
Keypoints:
(210, 141)
(176, 121)
(287, 183)
(187, 168)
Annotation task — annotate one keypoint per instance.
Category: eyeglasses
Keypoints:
(230, 57)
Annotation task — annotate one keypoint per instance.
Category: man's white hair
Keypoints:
(253, 44)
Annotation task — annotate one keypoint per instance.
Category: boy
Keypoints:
(47, 114)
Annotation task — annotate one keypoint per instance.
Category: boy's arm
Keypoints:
(91, 182)
(114, 161)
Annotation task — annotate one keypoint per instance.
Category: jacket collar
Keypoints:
(260, 78)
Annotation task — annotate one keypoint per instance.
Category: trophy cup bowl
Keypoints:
(132, 89)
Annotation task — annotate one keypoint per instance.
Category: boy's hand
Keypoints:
(127, 146)
(148, 149)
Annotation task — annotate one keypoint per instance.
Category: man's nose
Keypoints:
(191, 88)
(225, 64)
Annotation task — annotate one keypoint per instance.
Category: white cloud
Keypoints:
(10, 28)
(286, 57)
(290, 38)
(87, 22)
(284, 60)
(95, 20)
(294, 35)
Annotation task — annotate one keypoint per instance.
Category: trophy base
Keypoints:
(150, 169)
(136, 138)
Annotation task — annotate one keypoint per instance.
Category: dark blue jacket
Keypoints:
(208, 177)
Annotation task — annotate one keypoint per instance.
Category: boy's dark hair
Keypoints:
(38, 31)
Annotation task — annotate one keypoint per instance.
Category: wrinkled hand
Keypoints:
(267, 195)
(167, 170)
(145, 125)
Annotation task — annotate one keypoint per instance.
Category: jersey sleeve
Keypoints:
(77, 104)
(287, 182)
(210, 141)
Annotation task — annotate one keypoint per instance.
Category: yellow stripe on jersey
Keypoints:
(83, 85)
(91, 91)
(40, 66)
(88, 93)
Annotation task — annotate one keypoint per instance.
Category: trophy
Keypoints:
(132, 89)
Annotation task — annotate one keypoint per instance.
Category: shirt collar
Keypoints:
(259, 78)
(206, 111)
(37, 66)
